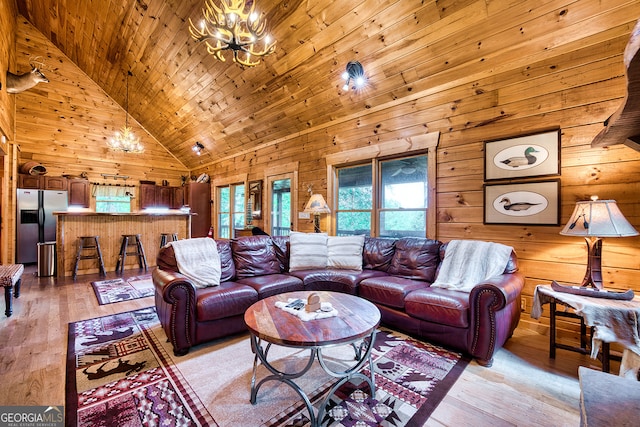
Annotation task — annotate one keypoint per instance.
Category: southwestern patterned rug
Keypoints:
(121, 371)
(117, 290)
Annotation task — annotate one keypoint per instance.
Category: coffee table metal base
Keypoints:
(362, 357)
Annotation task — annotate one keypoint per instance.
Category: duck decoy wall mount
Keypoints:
(526, 156)
(517, 187)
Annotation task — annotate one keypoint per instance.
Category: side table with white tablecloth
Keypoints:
(612, 321)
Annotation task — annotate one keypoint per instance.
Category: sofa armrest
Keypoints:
(166, 282)
(175, 297)
(507, 287)
(495, 312)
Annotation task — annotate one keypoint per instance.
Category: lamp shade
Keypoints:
(317, 205)
(598, 218)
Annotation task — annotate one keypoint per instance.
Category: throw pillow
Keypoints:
(307, 251)
(345, 252)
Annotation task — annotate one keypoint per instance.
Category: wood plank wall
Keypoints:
(567, 74)
(481, 70)
(65, 124)
(8, 12)
(7, 113)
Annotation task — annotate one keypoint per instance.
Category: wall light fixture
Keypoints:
(197, 148)
(354, 72)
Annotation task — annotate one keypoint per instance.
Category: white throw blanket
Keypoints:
(198, 259)
(469, 262)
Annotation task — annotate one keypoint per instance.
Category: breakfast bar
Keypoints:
(110, 227)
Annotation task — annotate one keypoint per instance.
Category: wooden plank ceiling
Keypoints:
(181, 94)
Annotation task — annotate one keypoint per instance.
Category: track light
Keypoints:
(355, 72)
(197, 148)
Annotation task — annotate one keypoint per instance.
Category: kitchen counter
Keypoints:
(141, 213)
(110, 227)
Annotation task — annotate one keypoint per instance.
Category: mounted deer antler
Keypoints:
(20, 83)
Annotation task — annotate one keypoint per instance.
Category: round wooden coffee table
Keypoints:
(354, 325)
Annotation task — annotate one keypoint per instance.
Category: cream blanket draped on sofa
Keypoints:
(470, 262)
(198, 259)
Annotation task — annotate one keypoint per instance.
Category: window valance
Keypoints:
(108, 190)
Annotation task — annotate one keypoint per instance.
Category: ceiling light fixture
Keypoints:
(230, 26)
(197, 148)
(355, 72)
(126, 140)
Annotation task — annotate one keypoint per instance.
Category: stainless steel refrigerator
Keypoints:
(36, 222)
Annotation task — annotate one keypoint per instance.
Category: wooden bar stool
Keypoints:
(131, 240)
(168, 237)
(10, 278)
(89, 243)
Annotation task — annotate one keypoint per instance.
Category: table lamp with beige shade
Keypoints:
(316, 206)
(594, 219)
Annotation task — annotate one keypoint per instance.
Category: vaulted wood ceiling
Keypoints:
(181, 94)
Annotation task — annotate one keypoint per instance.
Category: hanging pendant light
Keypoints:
(125, 140)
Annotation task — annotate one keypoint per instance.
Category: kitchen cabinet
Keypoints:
(30, 181)
(164, 196)
(55, 183)
(79, 192)
(147, 196)
(198, 197)
(42, 182)
(177, 197)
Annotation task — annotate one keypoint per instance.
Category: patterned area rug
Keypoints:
(121, 371)
(117, 290)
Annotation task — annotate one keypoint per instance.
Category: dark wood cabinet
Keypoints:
(55, 183)
(42, 182)
(164, 196)
(147, 196)
(34, 182)
(198, 197)
(177, 197)
(79, 192)
(161, 196)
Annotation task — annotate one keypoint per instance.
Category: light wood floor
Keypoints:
(522, 388)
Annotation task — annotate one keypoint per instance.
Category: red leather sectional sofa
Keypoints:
(396, 277)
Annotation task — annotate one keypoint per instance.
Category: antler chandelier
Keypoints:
(126, 140)
(230, 26)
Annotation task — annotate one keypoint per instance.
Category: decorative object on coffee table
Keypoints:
(313, 302)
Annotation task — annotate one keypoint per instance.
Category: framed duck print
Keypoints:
(527, 156)
(528, 203)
